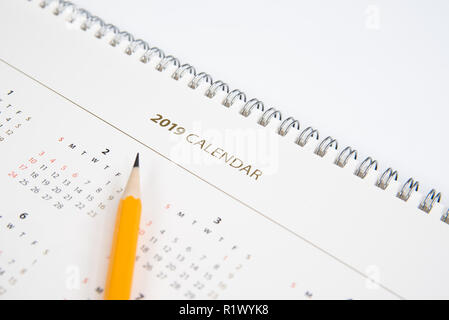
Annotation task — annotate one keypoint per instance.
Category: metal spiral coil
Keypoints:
(162, 65)
(386, 177)
(200, 77)
(306, 134)
(324, 146)
(344, 156)
(146, 57)
(179, 73)
(365, 167)
(117, 37)
(248, 107)
(233, 96)
(216, 86)
(105, 29)
(430, 200)
(62, 6)
(406, 191)
(135, 45)
(268, 115)
(287, 124)
(445, 217)
(89, 21)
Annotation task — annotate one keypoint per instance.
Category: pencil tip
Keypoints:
(136, 163)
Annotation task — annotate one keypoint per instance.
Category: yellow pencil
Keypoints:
(123, 253)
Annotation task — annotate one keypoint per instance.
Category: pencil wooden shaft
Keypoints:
(123, 252)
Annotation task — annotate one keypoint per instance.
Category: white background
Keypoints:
(373, 74)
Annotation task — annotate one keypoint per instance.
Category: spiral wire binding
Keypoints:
(306, 134)
(232, 96)
(407, 189)
(344, 156)
(445, 217)
(386, 177)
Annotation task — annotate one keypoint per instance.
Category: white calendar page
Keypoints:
(230, 208)
(64, 183)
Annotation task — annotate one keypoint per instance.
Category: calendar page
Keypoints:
(230, 208)
(63, 176)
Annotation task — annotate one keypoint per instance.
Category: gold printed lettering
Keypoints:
(189, 136)
(218, 150)
(247, 169)
(225, 155)
(239, 164)
(221, 154)
(256, 173)
(200, 143)
(207, 147)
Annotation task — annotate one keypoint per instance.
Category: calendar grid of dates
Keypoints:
(13, 266)
(12, 116)
(62, 185)
(171, 255)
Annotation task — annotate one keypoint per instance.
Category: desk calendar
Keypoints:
(238, 202)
